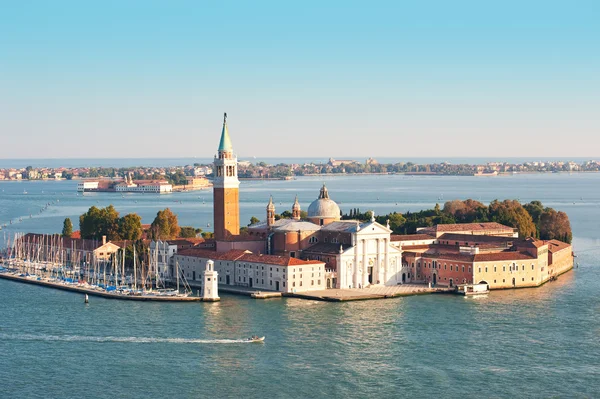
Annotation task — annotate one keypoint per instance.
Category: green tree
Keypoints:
(207, 235)
(67, 230)
(253, 220)
(511, 213)
(555, 226)
(98, 222)
(130, 227)
(189, 232)
(165, 226)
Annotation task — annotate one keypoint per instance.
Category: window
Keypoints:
(494, 281)
(523, 279)
(494, 269)
(532, 266)
(312, 282)
(463, 269)
(480, 270)
(294, 284)
(450, 267)
(318, 282)
(503, 280)
(523, 267)
(445, 268)
(503, 268)
(313, 240)
(300, 283)
(485, 269)
(270, 282)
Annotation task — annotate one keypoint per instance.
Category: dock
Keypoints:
(369, 293)
(103, 294)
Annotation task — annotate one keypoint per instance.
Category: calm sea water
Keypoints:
(540, 342)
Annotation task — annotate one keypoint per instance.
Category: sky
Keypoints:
(138, 79)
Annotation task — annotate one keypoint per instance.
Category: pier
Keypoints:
(91, 291)
(375, 292)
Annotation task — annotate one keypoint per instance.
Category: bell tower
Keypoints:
(270, 212)
(226, 188)
(296, 209)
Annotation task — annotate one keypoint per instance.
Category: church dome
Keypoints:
(324, 207)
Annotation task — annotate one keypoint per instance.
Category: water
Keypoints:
(525, 343)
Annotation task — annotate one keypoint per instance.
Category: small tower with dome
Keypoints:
(296, 209)
(270, 212)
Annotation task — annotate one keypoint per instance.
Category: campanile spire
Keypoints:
(226, 188)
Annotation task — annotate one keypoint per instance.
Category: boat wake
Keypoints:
(137, 340)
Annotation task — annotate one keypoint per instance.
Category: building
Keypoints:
(275, 254)
(226, 189)
(87, 185)
(245, 269)
(498, 261)
(356, 254)
(489, 229)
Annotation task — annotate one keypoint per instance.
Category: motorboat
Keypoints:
(256, 338)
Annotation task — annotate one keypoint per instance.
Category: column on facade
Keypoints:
(356, 266)
(365, 271)
(386, 261)
(377, 277)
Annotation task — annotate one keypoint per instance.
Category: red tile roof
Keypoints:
(278, 260)
(555, 245)
(468, 227)
(503, 256)
(247, 256)
(234, 254)
(242, 237)
(411, 237)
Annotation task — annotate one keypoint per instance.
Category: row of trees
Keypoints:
(98, 222)
(531, 220)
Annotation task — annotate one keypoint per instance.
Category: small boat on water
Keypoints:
(472, 289)
(256, 338)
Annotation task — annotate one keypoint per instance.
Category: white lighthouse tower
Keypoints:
(210, 286)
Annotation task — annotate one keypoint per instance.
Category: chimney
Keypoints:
(103, 240)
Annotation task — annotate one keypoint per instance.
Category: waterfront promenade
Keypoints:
(374, 292)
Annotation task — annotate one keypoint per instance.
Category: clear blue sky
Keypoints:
(305, 79)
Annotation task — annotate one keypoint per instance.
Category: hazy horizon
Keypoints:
(406, 80)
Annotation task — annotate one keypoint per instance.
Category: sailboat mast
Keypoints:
(134, 270)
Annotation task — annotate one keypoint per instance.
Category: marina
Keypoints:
(76, 265)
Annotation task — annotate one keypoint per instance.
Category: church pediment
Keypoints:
(372, 228)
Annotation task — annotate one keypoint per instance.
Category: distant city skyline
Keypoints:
(401, 80)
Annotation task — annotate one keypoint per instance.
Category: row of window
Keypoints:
(512, 268)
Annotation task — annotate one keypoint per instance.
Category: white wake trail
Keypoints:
(140, 340)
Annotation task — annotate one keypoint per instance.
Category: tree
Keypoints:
(555, 226)
(207, 235)
(253, 220)
(467, 211)
(189, 232)
(130, 227)
(511, 213)
(67, 230)
(98, 222)
(165, 226)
